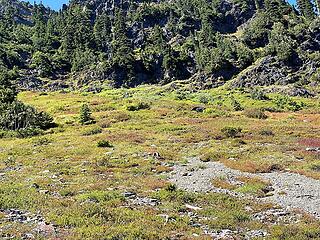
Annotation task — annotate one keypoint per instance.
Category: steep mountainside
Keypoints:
(128, 42)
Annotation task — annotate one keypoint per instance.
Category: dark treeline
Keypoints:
(131, 42)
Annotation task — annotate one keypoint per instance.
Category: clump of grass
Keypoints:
(231, 132)
(105, 124)
(104, 144)
(255, 113)
(41, 141)
(92, 131)
(210, 155)
(100, 196)
(315, 167)
(266, 132)
(222, 183)
(254, 186)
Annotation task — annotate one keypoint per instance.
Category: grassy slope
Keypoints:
(86, 183)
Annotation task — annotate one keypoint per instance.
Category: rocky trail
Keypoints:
(289, 190)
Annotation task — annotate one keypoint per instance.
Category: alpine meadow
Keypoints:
(160, 120)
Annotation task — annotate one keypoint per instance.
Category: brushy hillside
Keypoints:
(106, 179)
(93, 44)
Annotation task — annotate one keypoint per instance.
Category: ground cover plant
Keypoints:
(110, 182)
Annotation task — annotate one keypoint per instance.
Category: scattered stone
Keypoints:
(313, 149)
(44, 191)
(301, 192)
(256, 234)
(35, 185)
(129, 194)
(145, 201)
(193, 207)
(198, 109)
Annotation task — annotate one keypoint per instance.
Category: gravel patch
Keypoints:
(291, 190)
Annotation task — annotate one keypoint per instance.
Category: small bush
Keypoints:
(266, 132)
(138, 106)
(171, 188)
(204, 99)
(255, 113)
(257, 94)
(231, 132)
(210, 156)
(92, 131)
(28, 132)
(286, 103)
(104, 144)
(236, 105)
(182, 95)
(41, 141)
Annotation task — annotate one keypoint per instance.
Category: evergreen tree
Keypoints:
(102, 32)
(318, 6)
(121, 49)
(39, 30)
(8, 91)
(85, 115)
(306, 8)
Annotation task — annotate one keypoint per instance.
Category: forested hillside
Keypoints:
(91, 44)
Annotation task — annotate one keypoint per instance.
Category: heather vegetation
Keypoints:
(88, 180)
(153, 119)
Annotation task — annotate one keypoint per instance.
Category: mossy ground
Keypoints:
(86, 182)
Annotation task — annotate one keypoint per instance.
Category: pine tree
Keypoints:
(102, 32)
(121, 49)
(318, 6)
(85, 115)
(306, 8)
(39, 29)
(8, 91)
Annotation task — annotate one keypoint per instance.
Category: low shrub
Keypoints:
(255, 113)
(231, 132)
(104, 144)
(92, 131)
(236, 105)
(171, 188)
(286, 103)
(138, 106)
(210, 156)
(266, 132)
(258, 94)
(41, 141)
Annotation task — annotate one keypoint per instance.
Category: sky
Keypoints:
(54, 4)
(57, 4)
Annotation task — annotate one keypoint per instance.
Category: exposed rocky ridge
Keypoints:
(22, 11)
(271, 71)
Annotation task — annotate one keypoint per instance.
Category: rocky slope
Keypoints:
(90, 44)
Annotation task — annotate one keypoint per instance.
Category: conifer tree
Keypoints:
(85, 115)
(8, 91)
(102, 31)
(306, 8)
(121, 50)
